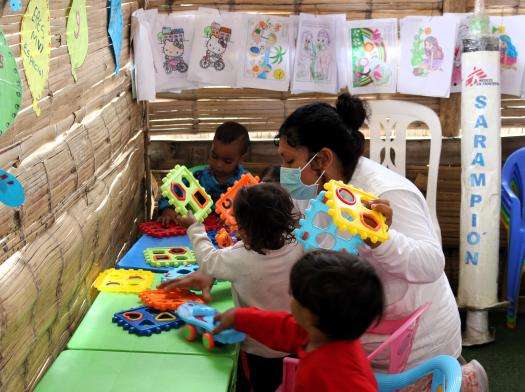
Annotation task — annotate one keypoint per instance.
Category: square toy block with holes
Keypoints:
(185, 194)
(317, 231)
(124, 281)
(224, 206)
(169, 257)
(144, 321)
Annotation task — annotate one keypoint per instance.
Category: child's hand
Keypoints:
(226, 320)
(168, 216)
(383, 207)
(195, 281)
(186, 221)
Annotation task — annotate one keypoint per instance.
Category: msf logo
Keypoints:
(478, 77)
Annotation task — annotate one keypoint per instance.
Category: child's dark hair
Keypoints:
(271, 174)
(266, 214)
(230, 131)
(319, 125)
(340, 289)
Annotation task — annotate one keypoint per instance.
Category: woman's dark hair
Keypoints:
(266, 213)
(341, 290)
(319, 125)
(271, 174)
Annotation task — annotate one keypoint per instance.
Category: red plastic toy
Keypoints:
(224, 206)
(167, 300)
(158, 230)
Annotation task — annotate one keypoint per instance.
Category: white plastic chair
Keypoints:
(388, 123)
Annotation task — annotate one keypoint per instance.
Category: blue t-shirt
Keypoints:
(210, 184)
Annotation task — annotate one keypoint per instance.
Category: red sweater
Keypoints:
(337, 366)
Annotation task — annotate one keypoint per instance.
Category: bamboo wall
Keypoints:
(81, 163)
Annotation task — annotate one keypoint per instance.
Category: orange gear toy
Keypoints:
(345, 206)
(223, 239)
(224, 206)
(164, 300)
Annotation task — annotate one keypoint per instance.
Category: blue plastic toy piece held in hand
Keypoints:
(317, 230)
(144, 321)
(199, 320)
(180, 272)
(11, 191)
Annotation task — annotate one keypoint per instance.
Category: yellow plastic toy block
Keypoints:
(345, 206)
(224, 206)
(124, 281)
(184, 193)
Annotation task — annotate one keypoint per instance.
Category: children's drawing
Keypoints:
(266, 53)
(172, 41)
(217, 42)
(10, 86)
(427, 54)
(511, 33)
(372, 62)
(115, 30)
(77, 35)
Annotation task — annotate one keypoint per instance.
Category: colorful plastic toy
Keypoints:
(345, 206)
(213, 223)
(317, 231)
(167, 300)
(11, 191)
(169, 257)
(223, 239)
(185, 193)
(124, 281)
(199, 320)
(179, 272)
(224, 206)
(158, 230)
(144, 321)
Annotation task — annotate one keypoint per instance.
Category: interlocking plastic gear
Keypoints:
(224, 206)
(167, 300)
(158, 230)
(144, 321)
(124, 281)
(345, 206)
(179, 272)
(185, 193)
(169, 256)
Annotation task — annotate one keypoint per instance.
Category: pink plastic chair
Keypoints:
(401, 333)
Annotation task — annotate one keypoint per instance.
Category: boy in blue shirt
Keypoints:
(230, 144)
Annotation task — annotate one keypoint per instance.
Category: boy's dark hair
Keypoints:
(341, 289)
(230, 131)
(266, 213)
(271, 174)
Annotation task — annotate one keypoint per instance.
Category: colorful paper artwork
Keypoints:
(11, 190)
(115, 30)
(315, 67)
(36, 48)
(10, 86)
(215, 48)
(16, 5)
(77, 35)
(427, 53)
(373, 60)
(511, 33)
(266, 53)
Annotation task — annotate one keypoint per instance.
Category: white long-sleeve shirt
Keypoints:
(257, 280)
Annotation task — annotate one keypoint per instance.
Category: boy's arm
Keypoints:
(276, 330)
(215, 262)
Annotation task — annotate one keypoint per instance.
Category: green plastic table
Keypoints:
(98, 332)
(107, 371)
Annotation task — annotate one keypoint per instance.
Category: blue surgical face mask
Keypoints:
(291, 181)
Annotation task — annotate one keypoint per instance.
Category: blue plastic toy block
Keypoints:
(211, 235)
(317, 231)
(202, 318)
(144, 321)
(179, 272)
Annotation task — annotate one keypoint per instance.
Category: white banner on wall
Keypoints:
(480, 179)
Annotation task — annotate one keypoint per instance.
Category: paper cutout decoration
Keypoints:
(115, 30)
(511, 33)
(11, 191)
(427, 52)
(373, 60)
(315, 67)
(215, 48)
(16, 5)
(10, 86)
(77, 35)
(266, 53)
(36, 48)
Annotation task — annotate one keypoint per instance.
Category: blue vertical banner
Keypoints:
(115, 28)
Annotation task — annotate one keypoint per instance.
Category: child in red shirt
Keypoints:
(335, 298)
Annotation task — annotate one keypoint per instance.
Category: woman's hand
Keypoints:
(383, 207)
(195, 281)
(226, 320)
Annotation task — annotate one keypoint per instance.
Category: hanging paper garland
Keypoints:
(11, 191)
(10, 86)
(77, 35)
(36, 48)
(115, 30)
